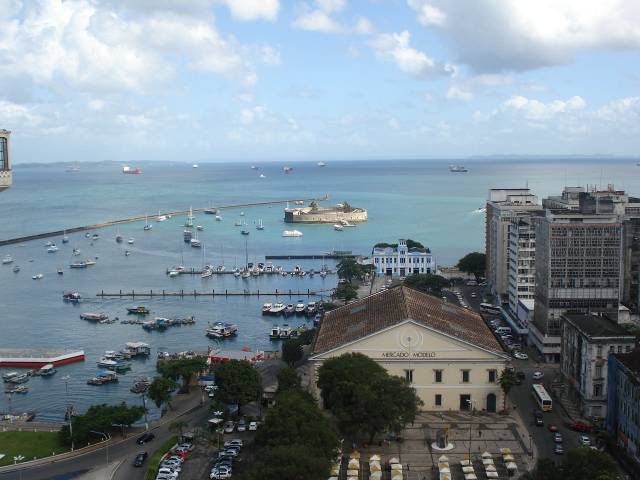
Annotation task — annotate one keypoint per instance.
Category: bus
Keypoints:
(488, 308)
(541, 397)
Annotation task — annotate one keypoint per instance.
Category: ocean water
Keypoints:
(421, 200)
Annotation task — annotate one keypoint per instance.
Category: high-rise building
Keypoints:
(5, 160)
(504, 205)
(578, 265)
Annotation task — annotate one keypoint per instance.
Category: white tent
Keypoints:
(374, 458)
(468, 469)
(353, 464)
(487, 461)
(375, 476)
(470, 476)
(487, 455)
(443, 458)
(512, 466)
(465, 463)
(445, 470)
(490, 468)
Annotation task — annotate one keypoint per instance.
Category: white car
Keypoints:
(584, 440)
(236, 442)
(521, 356)
(537, 375)
(220, 472)
(253, 426)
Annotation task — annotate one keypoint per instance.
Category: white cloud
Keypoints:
(250, 115)
(537, 110)
(497, 35)
(396, 47)
(427, 13)
(456, 93)
(330, 6)
(319, 18)
(363, 26)
(253, 9)
(96, 104)
(18, 115)
(318, 21)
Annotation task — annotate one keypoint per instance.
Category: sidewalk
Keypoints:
(106, 472)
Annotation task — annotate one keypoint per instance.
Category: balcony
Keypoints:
(6, 179)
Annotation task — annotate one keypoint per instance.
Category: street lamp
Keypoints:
(106, 439)
(69, 408)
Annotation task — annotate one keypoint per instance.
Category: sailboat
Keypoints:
(189, 222)
(207, 271)
(119, 237)
(147, 225)
(260, 226)
(195, 243)
(65, 239)
(160, 217)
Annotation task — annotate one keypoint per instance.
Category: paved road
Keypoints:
(68, 469)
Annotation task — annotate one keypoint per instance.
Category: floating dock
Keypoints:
(38, 358)
(216, 293)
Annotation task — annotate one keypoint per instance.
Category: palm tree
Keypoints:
(507, 380)
(160, 390)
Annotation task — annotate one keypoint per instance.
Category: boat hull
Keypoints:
(13, 359)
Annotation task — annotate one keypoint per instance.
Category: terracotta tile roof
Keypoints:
(385, 309)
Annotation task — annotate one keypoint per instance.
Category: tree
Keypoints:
(364, 398)
(160, 390)
(183, 369)
(178, 426)
(238, 382)
(307, 336)
(288, 379)
(578, 464)
(346, 292)
(292, 351)
(349, 269)
(507, 380)
(100, 418)
(473, 264)
(410, 244)
(427, 282)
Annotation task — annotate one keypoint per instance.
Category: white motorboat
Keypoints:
(199, 228)
(260, 225)
(131, 241)
(218, 218)
(344, 223)
(291, 233)
(322, 164)
(7, 260)
(160, 217)
(195, 165)
(338, 227)
(262, 175)
(242, 214)
(147, 225)
(37, 276)
(53, 248)
(173, 273)
(206, 273)
(246, 274)
(277, 308)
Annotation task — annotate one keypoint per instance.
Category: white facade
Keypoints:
(402, 261)
(522, 262)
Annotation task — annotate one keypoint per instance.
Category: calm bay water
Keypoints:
(410, 199)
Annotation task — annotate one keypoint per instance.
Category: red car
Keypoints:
(552, 428)
(579, 426)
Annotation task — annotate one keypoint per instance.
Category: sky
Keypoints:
(244, 80)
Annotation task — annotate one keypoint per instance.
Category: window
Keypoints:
(627, 348)
(3, 154)
(599, 350)
(465, 376)
(438, 376)
(408, 375)
(598, 371)
(612, 349)
(438, 400)
(597, 390)
(619, 348)
(492, 376)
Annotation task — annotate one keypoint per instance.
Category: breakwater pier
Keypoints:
(141, 218)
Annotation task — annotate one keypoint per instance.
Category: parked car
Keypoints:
(579, 426)
(229, 427)
(557, 437)
(140, 459)
(584, 440)
(242, 425)
(232, 451)
(552, 428)
(220, 472)
(145, 437)
(236, 442)
(537, 375)
(520, 355)
(168, 471)
(253, 426)
(558, 449)
(186, 446)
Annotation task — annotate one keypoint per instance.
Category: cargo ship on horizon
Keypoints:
(131, 171)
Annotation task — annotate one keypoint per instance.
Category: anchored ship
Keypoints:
(38, 358)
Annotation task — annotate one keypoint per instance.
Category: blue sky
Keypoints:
(227, 80)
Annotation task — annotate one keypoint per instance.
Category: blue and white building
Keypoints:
(400, 261)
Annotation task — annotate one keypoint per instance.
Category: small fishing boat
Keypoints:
(221, 330)
(322, 164)
(147, 225)
(78, 265)
(127, 253)
(8, 376)
(37, 276)
(291, 233)
(103, 377)
(53, 248)
(19, 389)
(266, 307)
(244, 232)
(131, 241)
(300, 308)
(281, 333)
(218, 218)
(73, 297)
(260, 225)
(94, 317)
(140, 385)
(20, 378)
(47, 370)
(289, 310)
(16, 269)
(89, 263)
(173, 273)
(95, 236)
(242, 214)
(60, 271)
(277, 308)
(7, 259)
(199, 228)
(262, 175)
(139, 310)
(337, 227)
(76, 252)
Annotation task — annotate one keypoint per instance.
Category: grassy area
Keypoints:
(154, 462)
(29, 445)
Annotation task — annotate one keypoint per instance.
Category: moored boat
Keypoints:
(221, 330)
(103, 377)
(7, 259)
(73, 297)
(300, 308)
(277, 308)
(47, 370)
(94, 317)
(266, 307)
(291, 233)
(289, 310)
(139, 310)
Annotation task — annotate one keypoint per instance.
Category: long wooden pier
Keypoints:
(199, 271)
(215, 293)
(139, 218)
(329, 256)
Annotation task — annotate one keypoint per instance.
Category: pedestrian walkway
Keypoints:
(104, 472)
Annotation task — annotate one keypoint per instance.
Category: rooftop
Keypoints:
(597, 326)
(391, 307)
(630, 360)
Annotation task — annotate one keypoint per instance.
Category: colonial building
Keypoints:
(446, 352)
(5, 160)
(587, 340)
(623, 400)
(400, 261)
